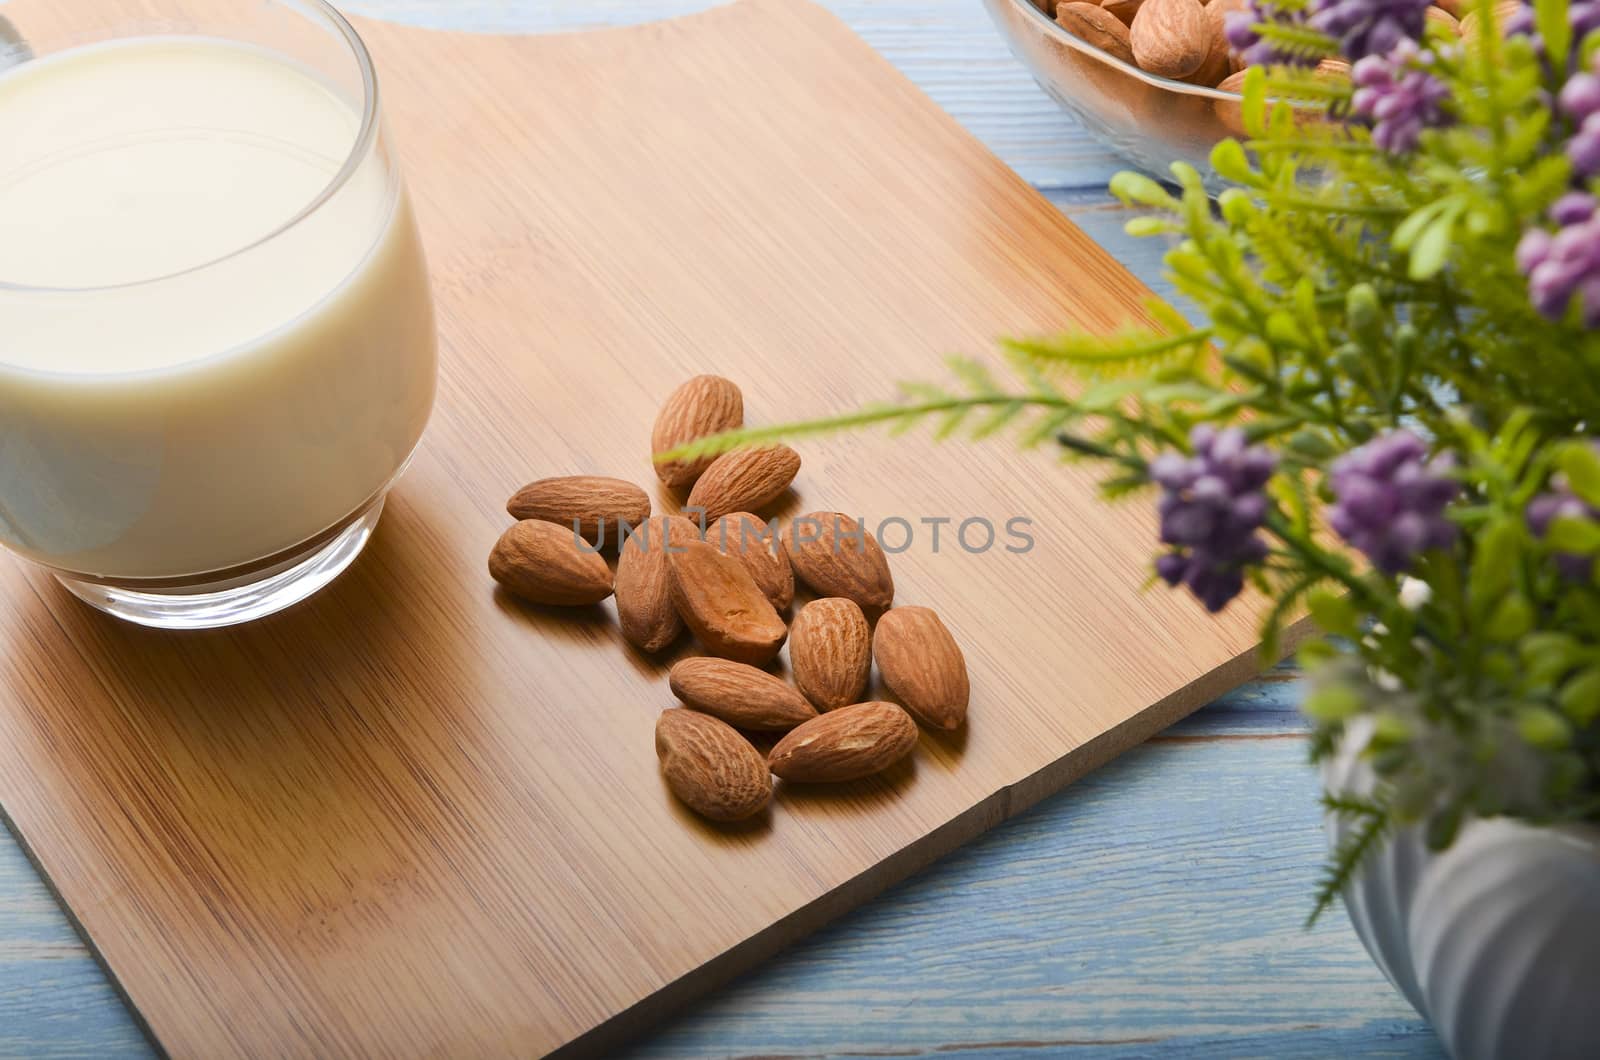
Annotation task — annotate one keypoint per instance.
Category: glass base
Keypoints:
(239, 599)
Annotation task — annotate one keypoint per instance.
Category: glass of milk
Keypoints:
(217, 346)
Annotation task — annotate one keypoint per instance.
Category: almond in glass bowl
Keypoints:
(1154, 79)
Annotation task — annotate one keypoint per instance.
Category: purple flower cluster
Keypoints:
(1212, 506)
(1253, 49)
(1391, 500)
(1562, 503)
(1362, 27)
(1580, 101)
(1582, 15)
(1565, 263)
(1369, 27)
(1397, 94)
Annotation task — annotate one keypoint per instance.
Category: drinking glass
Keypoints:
(217, 342)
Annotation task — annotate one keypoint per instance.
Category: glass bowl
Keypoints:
(1151, 121)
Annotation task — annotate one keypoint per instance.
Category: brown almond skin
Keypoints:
(1332, 70)
(749, 538)
(1438, 13)
(1097, 26)
(740, 695)
(1231, 112)
(710, 767)
(596, 505)
(1217, 64)
(703, 406)
(645, 610)
(543, 564)
(923, 666)
(722, 605)
(1217, 15)
(1169, 38)
(845, 744)
(1471, 23)
(1123, 10)
(826, 555)
(830, 652)
(745, 480)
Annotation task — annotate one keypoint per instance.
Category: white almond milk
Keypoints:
(169, 404)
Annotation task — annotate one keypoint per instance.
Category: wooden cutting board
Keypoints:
(415, 818)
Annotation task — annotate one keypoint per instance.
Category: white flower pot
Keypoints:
(1496, 941)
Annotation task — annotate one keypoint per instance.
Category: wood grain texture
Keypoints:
(1208, 831)
(54, 1002)
(948, 47)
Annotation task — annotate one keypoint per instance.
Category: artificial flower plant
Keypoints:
(1384, 413)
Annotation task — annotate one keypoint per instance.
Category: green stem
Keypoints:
(754, 436)
(1317, 559)
(1044, 350)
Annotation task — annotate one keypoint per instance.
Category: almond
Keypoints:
(830, 651)
(845, 744)
(710, 767)
(1097, 26)
(744, 481)
(922, 665)
(645, 610)
(1230, 112)
(738, 694)
(722, 605)
(705, 405)
(1216, 64)
(593, 506)
(1472, 20)
(836, 556)
(1123, 10)
(1169, 37)
(544, 564)
(1438, 14)
(1332, 70)
(755, 544)
(1219, 10)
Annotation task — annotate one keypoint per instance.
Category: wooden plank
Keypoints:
(412, 815)
(1001, 948)
(950, 48)
(54, 999)
(1004, 948)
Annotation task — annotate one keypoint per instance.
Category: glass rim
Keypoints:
(366, 134)
(1055, 31)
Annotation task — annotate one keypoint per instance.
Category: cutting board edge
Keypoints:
(1002, 805)
(82, 932)
(992, 811)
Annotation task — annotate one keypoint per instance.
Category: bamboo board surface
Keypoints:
(414, 817)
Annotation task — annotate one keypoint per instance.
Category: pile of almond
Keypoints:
(729, 580)
(1186, 40)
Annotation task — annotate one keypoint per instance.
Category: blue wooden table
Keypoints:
(1152, 909)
